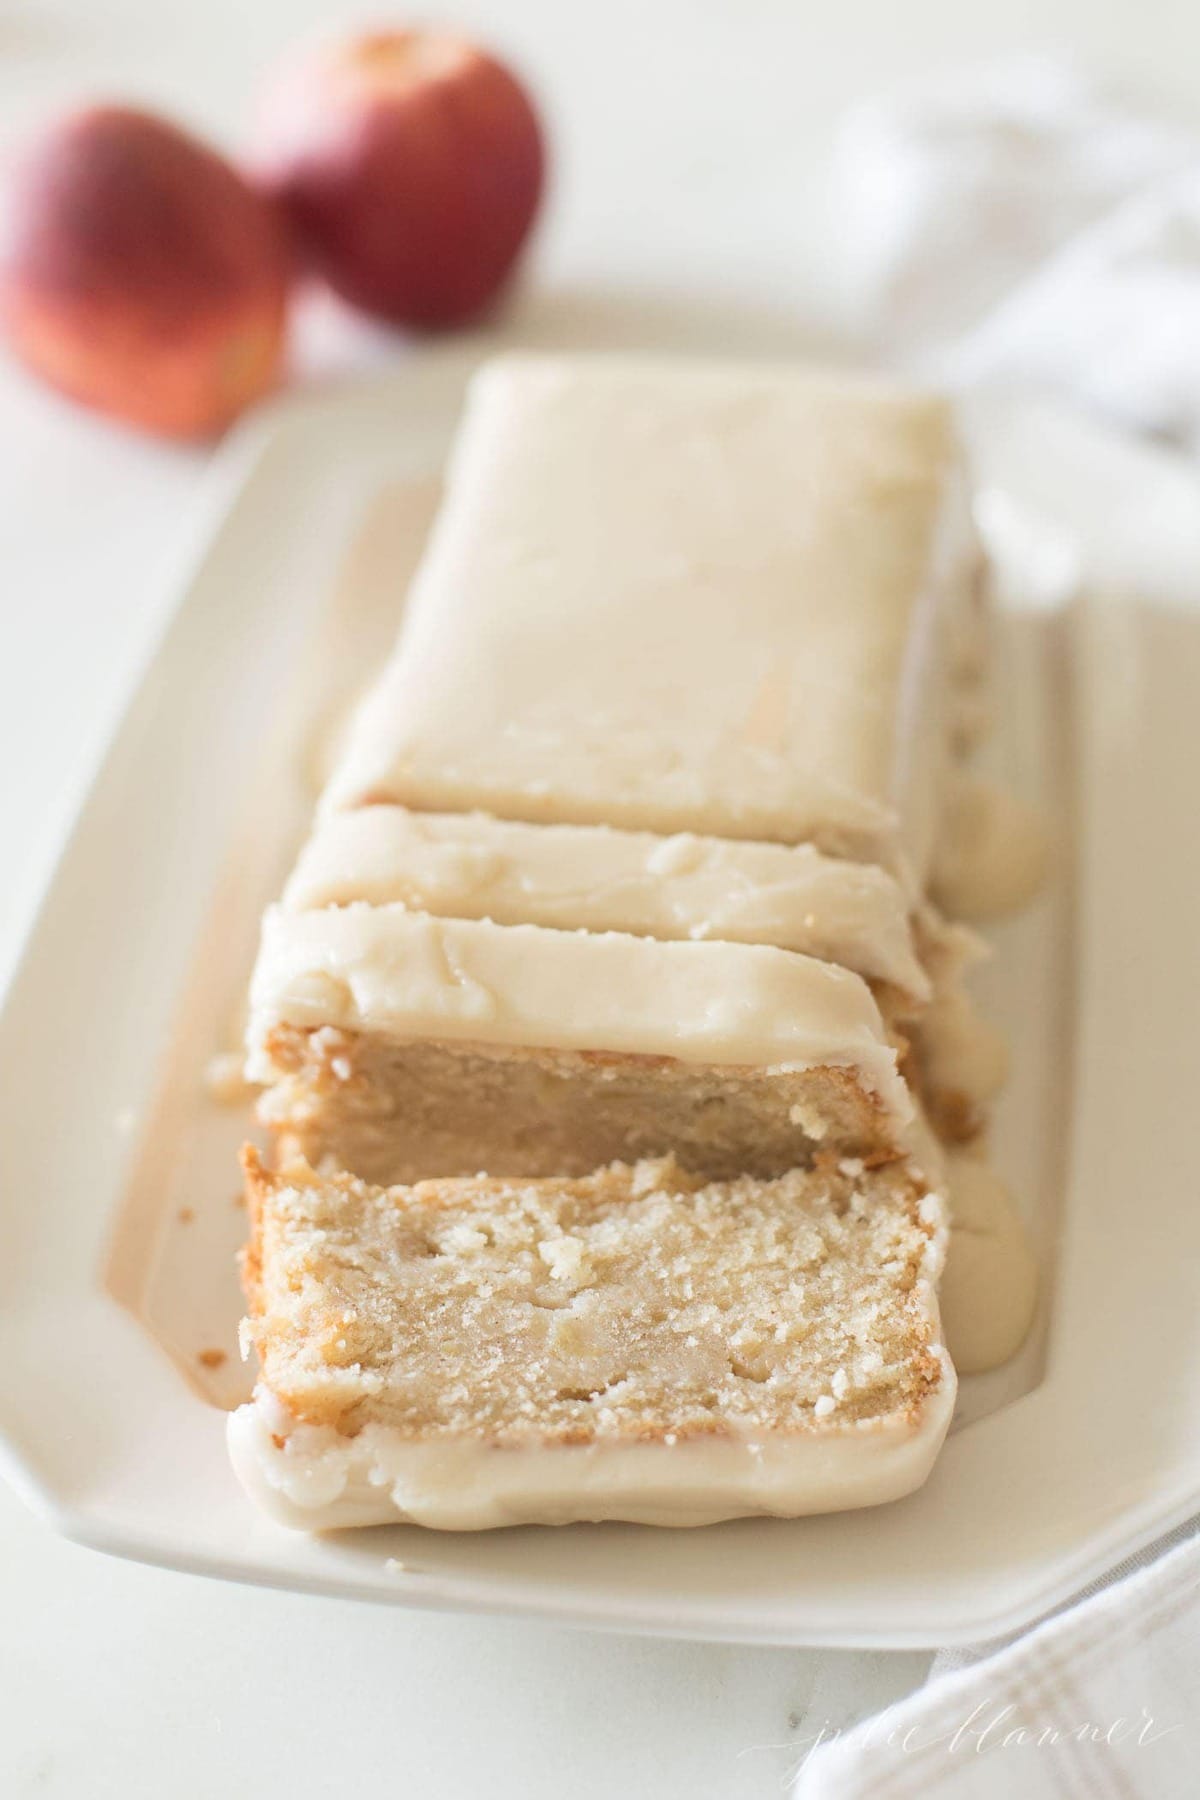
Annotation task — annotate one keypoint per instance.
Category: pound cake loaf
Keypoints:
(634, 1344)
(608, 1034)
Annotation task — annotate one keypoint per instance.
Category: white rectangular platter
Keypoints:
(118, 1293)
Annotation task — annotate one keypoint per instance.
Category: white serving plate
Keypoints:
(1082, 1450)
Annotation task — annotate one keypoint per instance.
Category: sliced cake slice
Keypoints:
(633, 1344)
(398, 1046)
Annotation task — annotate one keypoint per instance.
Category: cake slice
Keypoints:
(740, 601)
(398, 1046)
(594, 878)
(632, 1344)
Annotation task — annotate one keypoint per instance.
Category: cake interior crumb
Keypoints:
(634, 1302)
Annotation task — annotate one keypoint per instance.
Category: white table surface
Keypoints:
(689, 137)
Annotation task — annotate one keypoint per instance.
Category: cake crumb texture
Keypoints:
(637, 1303)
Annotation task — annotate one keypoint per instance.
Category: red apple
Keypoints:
(411, 164)
(142, 275)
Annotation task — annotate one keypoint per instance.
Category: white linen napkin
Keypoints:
(1029, 226)
(1099, 1701)
(1026, 226)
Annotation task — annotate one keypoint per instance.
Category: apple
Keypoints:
(142, 274)
(411, 164)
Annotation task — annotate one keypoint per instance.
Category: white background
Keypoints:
(689, 138)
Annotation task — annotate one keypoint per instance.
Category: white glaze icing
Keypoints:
(314, 1479)
(961, 1052)
(989, 1285)
(992, 853)
(684, 597)
(470, 866)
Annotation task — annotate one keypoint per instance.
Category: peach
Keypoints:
(411, 164)
(142, 275)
